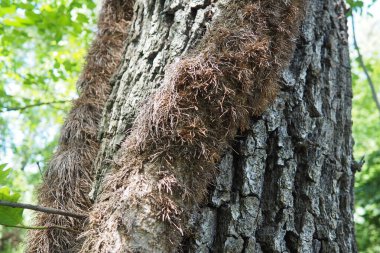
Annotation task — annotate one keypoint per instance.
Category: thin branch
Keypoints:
(362, 65)
(8, 109)
(42, 209)
(40, 227)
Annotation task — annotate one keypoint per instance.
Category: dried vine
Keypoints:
(68, 179)
(169, 159)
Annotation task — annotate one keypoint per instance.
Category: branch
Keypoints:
(8, 109)
(42, 209)
(362, 65)
(39, 227)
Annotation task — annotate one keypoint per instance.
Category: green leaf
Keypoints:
(4, 173)
(68, 65)
(82, 18)
(9, 215)
(90, 4)
(7, 10)
(6, 194)
(13, 22)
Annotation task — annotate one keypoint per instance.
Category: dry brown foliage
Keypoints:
(169, 159)
(69, 177)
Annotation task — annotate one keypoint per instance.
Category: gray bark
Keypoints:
(287, 184)
(161, 32)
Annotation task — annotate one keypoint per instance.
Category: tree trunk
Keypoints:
(286, 185)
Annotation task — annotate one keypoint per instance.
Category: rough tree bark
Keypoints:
(286, 186)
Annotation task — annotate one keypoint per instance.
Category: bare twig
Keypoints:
(42, 209)
(8, 109)
(39, 168)
(39, 227)
(362, 65)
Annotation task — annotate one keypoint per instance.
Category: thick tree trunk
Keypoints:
(286, 186)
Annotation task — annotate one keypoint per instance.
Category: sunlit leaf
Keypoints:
(4, 173)
(8, 215)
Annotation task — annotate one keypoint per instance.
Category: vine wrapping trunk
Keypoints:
(169, 158)
(68, 179)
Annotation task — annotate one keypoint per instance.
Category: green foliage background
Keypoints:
(366, 131)
(42, 47)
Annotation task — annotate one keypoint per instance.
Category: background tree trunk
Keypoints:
(287, 184)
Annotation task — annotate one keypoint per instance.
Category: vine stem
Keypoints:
(8, 109)
(40, 227)
(42, 209)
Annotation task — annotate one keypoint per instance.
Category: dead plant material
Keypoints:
(68, 179)
(170, 156)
